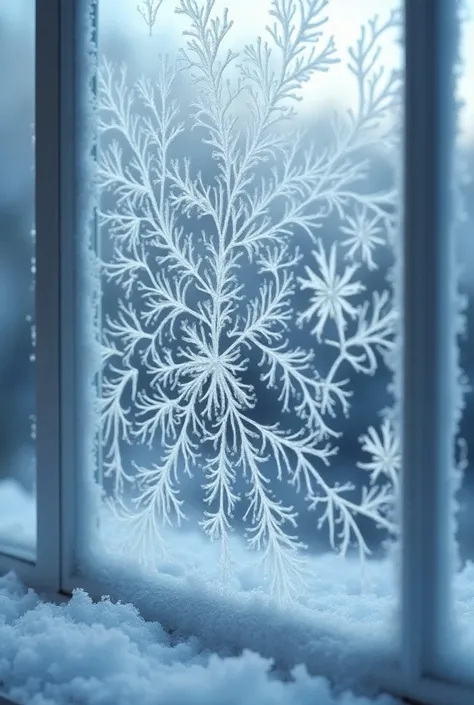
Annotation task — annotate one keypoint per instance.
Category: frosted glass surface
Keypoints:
(247, 235)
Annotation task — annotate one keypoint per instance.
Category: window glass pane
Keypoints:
(457, 653)
(247, 233)
(17, 392)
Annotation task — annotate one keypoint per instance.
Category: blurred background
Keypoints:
(17, 372)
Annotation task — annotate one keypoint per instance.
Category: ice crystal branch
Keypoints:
(189, 330)
(148, 9)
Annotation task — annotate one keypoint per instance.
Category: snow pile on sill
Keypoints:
(86, 653)
(354, 626)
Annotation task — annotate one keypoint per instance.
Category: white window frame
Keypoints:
(428, 275)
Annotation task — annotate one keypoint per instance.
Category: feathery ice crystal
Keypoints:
(240, 313)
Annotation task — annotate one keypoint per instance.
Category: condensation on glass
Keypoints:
(247, 235)
(17, 275)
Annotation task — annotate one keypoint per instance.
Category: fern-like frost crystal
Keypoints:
(237, 311)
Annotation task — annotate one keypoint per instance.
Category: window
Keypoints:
(245, 313)
(244, 291)
(457, 660)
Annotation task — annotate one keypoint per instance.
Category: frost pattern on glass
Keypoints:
(148, 9)
(238, 323)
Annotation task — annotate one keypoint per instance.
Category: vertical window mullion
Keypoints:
(47, 143)
(55, 61)
(428, 345)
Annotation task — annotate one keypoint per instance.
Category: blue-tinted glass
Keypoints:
(17, 368)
